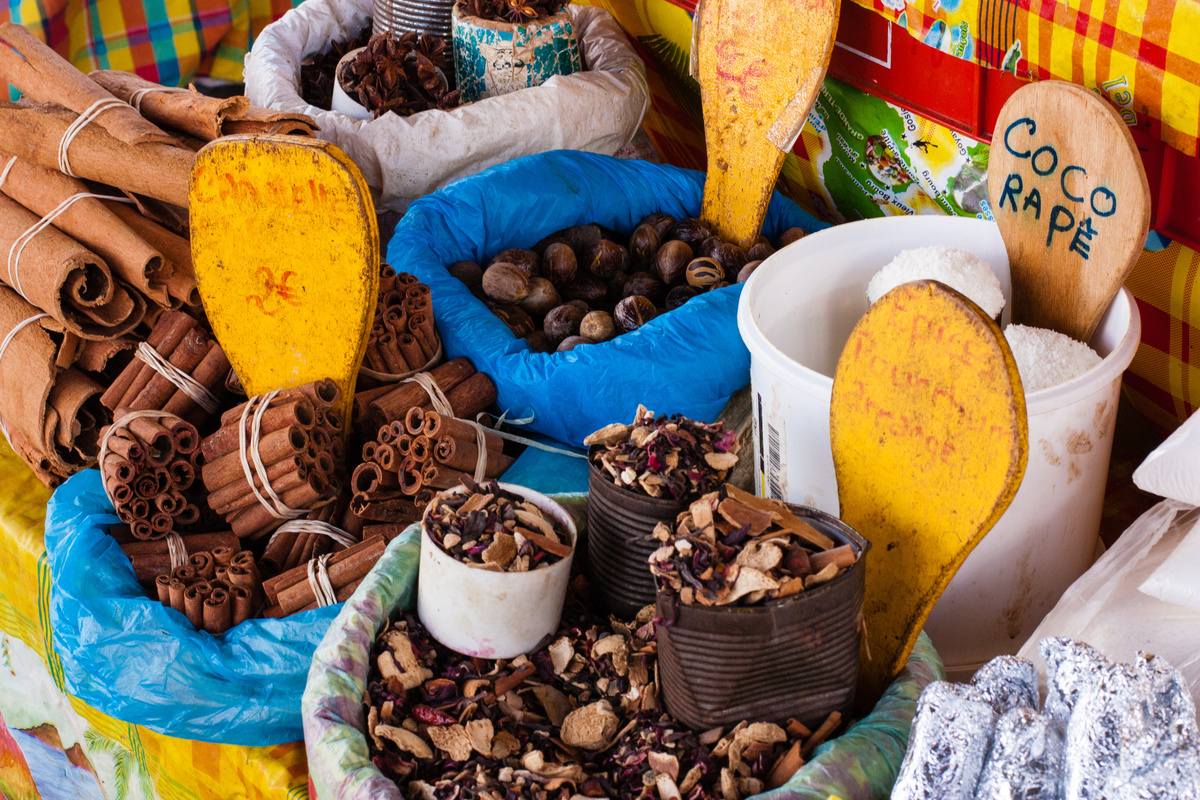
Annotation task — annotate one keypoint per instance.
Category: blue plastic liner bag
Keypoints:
(688, 361)
(861, 764)
(139, 661)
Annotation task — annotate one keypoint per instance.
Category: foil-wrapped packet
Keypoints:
(1026, 758)
(1072, 668)
(951, 735)
(1132, 736)
(1008, 682)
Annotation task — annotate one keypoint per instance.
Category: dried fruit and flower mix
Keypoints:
(581, 717)
(663, 456)
(587, 284)
(732, 547)
(515, 11)
(489, 527)
(402, 74)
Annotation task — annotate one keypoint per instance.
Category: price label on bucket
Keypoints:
(929, 440)
(1070, 196)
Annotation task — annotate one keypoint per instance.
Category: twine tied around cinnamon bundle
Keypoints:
(180, 379)
(19, 244)
(437, 399)
(258, 404)
(318, 580)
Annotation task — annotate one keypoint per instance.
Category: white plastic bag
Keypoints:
(1106, 609)
(1173, 469)
(402, 158)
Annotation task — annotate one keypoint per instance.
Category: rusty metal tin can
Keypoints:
(620, 524)
(796, 657)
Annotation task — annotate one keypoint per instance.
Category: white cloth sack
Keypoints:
(402, 158)
(1107, 609)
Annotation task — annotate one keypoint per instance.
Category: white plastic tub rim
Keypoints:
(489, 614)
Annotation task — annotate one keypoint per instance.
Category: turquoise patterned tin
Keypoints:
(495, 58)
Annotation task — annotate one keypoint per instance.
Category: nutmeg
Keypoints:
(616, 287)
(571, 342)
(505, 283)
(663, 224)
(541, 298)
(634, 312)
(468, 272)
(605, 258)
(525, 260)
(704, 273)
(516, 319)
(559, 264)
(562, 322)
(580, 304)
(678, 296)
(760, 251)
(791, 235)
(691, 232)
(730, 257)
(644, 284)
(671, 260)
(707, 247)
(748, 270)
(598, 326)
(643, 244)
(587, 288)
(539, 342)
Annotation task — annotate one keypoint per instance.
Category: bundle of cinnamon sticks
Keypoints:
(300, 448)
(150, 559)
(468, 392)
(293, 591)
(148, 471)
(410, 459)
(188, 348)
(403, 338)
(216, 589)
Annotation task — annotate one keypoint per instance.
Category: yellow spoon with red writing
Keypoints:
(286, 248)
(761, 63)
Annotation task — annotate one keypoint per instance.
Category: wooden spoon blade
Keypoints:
(1070, 195)
(930, 442)
(286, 249)
(761, 65)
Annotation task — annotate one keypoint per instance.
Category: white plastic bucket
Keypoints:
(478, 612)
(795, 315)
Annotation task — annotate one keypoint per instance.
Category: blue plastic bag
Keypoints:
(688, 361)
(141, 662)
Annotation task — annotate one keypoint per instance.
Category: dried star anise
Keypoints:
(402, 74)
(515, 11)
(316, 76)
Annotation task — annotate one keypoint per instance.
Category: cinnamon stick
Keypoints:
(89, 222)
(218, 612)
(33, 132)
(43, 75)
(293, 592)
(395, 404)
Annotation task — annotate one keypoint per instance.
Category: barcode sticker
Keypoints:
(774, 462)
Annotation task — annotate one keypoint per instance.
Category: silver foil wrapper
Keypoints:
(1026, 759)
(1132, 735)
(1072, 668)
(951, 736)
(1008, 682)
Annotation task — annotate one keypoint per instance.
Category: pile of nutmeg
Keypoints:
(588, 284)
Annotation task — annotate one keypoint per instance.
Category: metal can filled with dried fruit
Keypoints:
(641, 475)
(495, 564)
(760, 605)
